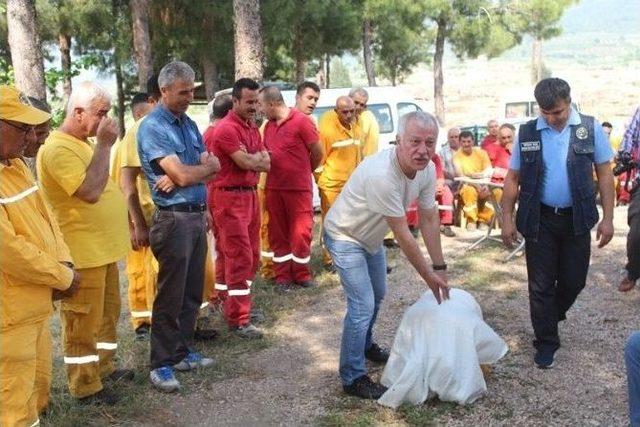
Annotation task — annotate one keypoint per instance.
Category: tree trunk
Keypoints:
(327, 76)
(210, 73)
(64, 42)
(26, 51)
(536, 61)
(248, 43)
(301, 66)
(438, 79)
(142, 41)
(320, 76)
(367, 37)
(119, 84)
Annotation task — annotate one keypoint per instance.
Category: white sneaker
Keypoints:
(164, 380)
(193, 360)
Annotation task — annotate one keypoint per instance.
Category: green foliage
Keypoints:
(7, 76)
(539, 18)
(305, 30)
(400, 39)
(339, 73)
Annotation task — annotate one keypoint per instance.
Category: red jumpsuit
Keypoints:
(235, 216)
(289, 196)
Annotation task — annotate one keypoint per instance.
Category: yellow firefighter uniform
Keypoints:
(97, 235)
(370, 132)
(31, 266)
(474, 208)
(142, 267)
(342, 154)
(266, 254)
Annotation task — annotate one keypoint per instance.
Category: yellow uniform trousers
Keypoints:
(142, 272)
(327, 198)
(266, 254)
(25, 373)
(209, 294)
(475, 208)
(89, 320)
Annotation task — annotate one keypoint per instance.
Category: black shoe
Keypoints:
(390, 243)
(447, 231)
(257, 316)
(389, 270)
(205, 334)
(377, 354)
(103, 397)
(545, 358)
(285, 288)
(143, 333)
(307, 284)
(121, 375)
(365, 388)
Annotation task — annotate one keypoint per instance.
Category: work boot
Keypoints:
(193, 360)
(142, 333)
(121, 375)
(247, 331)
(377, 354)
(365, 388)
(164, 380)
(103, 397)
(545, 358)
(205, 334)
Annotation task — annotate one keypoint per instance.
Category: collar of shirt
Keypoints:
(574, 119)
(292, 111)
(236, 118)
(167, 115)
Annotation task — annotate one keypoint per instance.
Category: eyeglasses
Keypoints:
(360, 104)
(24, 129)
(347, 111)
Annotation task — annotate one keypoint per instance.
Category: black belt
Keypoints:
(556, 211)
(184, 207)
(239, 188)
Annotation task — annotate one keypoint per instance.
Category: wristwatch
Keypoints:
(439, 267)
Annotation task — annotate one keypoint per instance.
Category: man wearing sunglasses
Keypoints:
(36, 266)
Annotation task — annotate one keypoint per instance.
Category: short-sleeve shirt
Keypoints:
(162, 134)
(475, 162)
(233, 134)
(126, 156)
(555, 189)
(377, 189)
(288, 144)
(498, 155)
(97, 233)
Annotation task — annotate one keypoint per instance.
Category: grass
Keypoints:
(139, 402)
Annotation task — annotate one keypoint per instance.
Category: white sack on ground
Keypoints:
(438, 350)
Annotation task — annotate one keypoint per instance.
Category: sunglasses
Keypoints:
(24, 129)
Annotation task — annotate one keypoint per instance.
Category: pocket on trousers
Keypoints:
(74, 313)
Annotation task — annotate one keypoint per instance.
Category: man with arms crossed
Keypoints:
(373, 201)
(170, 144)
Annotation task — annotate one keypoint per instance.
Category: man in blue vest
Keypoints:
(552, 165)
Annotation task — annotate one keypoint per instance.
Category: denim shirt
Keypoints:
(162, 134)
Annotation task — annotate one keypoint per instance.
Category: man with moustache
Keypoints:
(373, 201)
(236, 212)
(170, 144)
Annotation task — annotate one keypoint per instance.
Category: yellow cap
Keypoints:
(15, 106)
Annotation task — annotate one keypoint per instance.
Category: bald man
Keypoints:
(342, 141)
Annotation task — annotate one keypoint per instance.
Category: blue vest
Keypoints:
(580, 163)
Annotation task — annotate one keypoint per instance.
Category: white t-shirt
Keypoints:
(377, 189)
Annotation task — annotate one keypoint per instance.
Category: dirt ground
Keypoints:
(294, 380)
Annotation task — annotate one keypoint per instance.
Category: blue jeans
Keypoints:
(632, 360)
(363, 277)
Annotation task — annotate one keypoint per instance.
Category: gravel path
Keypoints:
(294, 381)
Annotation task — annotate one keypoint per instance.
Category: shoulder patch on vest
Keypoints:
(530, 146)
(582, 132)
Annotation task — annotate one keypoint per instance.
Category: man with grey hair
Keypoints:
(170, 145)
(366, 121)
(373, 201)
(91, 211)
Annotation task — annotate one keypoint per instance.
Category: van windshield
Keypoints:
(382, 112)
